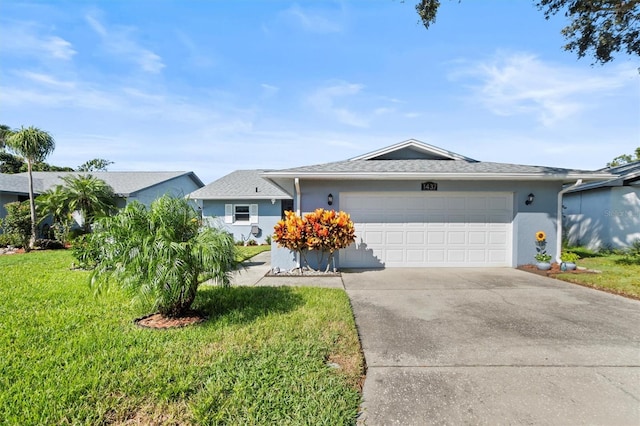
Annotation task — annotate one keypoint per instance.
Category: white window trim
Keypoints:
(230, 214)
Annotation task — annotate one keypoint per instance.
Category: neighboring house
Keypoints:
(415, 204)
(605, 213)
(244, 204)
(128, 186)
(12, 188)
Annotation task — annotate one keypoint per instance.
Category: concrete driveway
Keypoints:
(494, 346)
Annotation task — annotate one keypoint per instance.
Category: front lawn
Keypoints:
(265, 356)
(617, 276)
(247, 252)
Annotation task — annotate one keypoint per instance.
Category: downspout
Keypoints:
(559, 236)
(296, 183)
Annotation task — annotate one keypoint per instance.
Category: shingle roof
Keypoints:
(16, 184)
(624, 175)
(413, 159)
(123, 183)
(241, 184)
(458, 169)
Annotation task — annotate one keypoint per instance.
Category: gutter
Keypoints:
(559, 231)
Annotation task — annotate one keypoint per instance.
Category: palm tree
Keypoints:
(34, 145)
(54, 202)
(160, 254)
(89, 196)
(5, 132)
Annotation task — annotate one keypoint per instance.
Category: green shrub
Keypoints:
(12, 240)
(570, 257)
(267, 240)
(18, 222)
(86, 251)
(252, 243)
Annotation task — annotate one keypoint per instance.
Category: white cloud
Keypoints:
(313, 21)
(46, 79)
(119, 41)
(521, 83)
(324, 100)
(27, 40)
(269, 90)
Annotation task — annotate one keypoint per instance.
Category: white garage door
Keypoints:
(428, 229)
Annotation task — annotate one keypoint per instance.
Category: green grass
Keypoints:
(618, 276)
(68, 357)
(245, 253)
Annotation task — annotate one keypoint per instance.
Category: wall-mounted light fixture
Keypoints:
(273, 201)
(530, 198)
(330, 199)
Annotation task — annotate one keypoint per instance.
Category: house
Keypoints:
(605, 213)
(417, 205)
(12, 188)
(243, 203)
(128, 186)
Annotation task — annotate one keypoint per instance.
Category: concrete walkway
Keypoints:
(254, 271)
(494, 346)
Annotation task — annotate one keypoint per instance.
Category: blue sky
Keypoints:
(215, 86)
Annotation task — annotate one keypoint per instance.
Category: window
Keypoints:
(241, 214)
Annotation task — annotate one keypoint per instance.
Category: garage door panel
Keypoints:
(415, 237)
(477, 256)
(434, 238)
(456, 237)
(477, 238)
(428, 229)
(395, 237)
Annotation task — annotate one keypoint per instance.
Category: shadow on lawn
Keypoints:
(245, 304)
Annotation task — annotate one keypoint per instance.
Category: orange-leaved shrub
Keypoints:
(322, 231)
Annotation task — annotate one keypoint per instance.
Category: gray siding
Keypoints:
(177, 187)
(268, 215)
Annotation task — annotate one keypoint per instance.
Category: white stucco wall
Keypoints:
(527, 220)
(604, 217)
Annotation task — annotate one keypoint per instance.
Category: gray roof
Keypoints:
(15, 184)
(625, 174)
(241, 184)
(452, 169)
(123, 183)
(413, 159)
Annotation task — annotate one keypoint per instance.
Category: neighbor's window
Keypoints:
(241, 213)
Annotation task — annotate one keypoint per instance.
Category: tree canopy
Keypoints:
(598, 28)
(95, 165)
(625, 159)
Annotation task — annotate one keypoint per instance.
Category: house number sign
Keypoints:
(429, 186)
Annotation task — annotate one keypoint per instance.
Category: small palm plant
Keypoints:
(160, 254)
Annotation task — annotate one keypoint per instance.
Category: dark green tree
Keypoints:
(95, 165)
(10, 163)
(625, 159)
(5, 132)
(596, 27)
(33, 145)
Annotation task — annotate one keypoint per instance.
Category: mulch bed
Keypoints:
(555, 270)
(159, 321)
